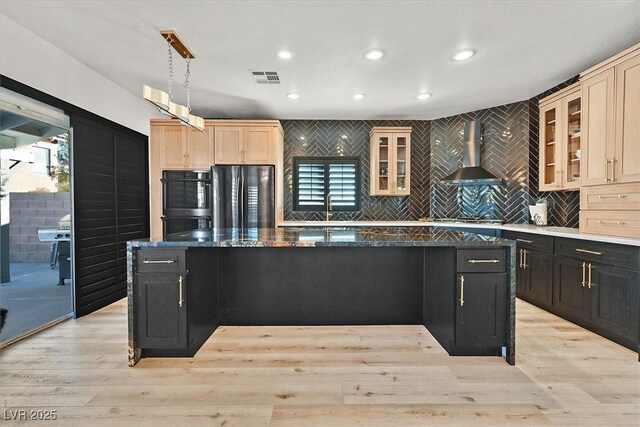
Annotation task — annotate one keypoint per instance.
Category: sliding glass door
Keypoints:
(36, 286)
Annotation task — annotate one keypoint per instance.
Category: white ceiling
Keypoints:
(523, 49)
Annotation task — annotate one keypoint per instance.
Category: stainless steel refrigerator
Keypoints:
(243, 197)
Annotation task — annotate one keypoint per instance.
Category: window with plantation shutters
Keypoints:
(315, 178)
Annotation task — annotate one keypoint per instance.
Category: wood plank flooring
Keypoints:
(327, 376)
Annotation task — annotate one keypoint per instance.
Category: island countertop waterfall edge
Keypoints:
(354, 243)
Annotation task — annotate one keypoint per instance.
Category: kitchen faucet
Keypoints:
(329, 207)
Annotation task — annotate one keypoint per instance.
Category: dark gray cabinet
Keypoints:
(176, 305)
(162, 311)
(593, 284)
(534, 271)
(481, 310)
(571, 296)
(538, 277)
(614, 305)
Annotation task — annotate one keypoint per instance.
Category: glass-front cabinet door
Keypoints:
(573, 131)
(390, 161)
(560, 140)
(549, 142)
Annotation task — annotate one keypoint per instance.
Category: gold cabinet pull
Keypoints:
(611, 222)
(584, 274)
(524, 240)
(180, 291)
(524, 259)
(613, 169)
(588, 252)
(589, 284)
(521, 263)
(158, 261)
(483, 261)
(608, 162)
(461, 291)
(617, 196)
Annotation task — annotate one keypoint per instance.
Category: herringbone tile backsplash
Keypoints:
(509, 150)
(327, 138)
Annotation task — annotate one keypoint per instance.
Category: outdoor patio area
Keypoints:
(33, 298)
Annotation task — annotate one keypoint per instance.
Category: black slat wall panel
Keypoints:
(110, 207)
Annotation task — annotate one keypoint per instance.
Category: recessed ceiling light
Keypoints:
(463, 54)
(359, 96)
(293, 95)
(422, 96)
(285, 54)
(374, 54)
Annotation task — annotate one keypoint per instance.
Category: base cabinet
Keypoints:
(481, 310)
(534, 277)
(162, 311)
(175, 303)
(570, 297)
(614, 300)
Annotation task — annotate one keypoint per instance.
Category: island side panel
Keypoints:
(134, 352)
(321, 286)
(511, 305)
(439, 294)
(202, 295)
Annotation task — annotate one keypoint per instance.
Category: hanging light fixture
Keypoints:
(163, 100)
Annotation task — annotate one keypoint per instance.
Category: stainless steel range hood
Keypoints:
(471, 172)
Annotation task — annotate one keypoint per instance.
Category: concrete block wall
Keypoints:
(30, 212)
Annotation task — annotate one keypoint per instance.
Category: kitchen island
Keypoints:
(460, 286)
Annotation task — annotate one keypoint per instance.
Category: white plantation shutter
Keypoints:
(342, 184)
(311, 179)
(316, 177)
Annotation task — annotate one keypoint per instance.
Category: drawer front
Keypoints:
(611, 197)
(604, 253)
(530, 241)
(611, 223)
(156, 260)
(481, 260)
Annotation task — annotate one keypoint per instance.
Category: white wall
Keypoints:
(32, 60)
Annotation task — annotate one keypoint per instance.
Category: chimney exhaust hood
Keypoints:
(471, 172)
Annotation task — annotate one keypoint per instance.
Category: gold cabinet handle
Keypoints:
(585, 251)
(584, 274)
(524, 260)
(521, 263)
(617, 196)
(524, 240)
(589, 284)
(180, 291)
(608, 162)
(461, 291)
(613, 169)
(611, 222)
(159, 261)
(483, 261)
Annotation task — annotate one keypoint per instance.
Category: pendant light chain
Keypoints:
(187, 74)
(170, 68)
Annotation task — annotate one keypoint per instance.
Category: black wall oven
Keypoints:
(186, 203)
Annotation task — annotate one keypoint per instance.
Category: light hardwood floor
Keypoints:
(333, 376)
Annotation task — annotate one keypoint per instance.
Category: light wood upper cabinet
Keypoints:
(598, 141)
(560, 140)
(228, 144)
(179, 147)
(390, 151)
(611, 94)
(627, 145)
(251, 145)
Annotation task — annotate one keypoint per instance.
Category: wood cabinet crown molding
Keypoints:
(611, 62)
(221, 122)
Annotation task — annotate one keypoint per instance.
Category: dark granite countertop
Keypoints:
(324, 237)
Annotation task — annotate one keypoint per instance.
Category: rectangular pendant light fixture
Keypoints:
(162, 100)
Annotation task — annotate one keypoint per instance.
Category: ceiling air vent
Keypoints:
(265, 77)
